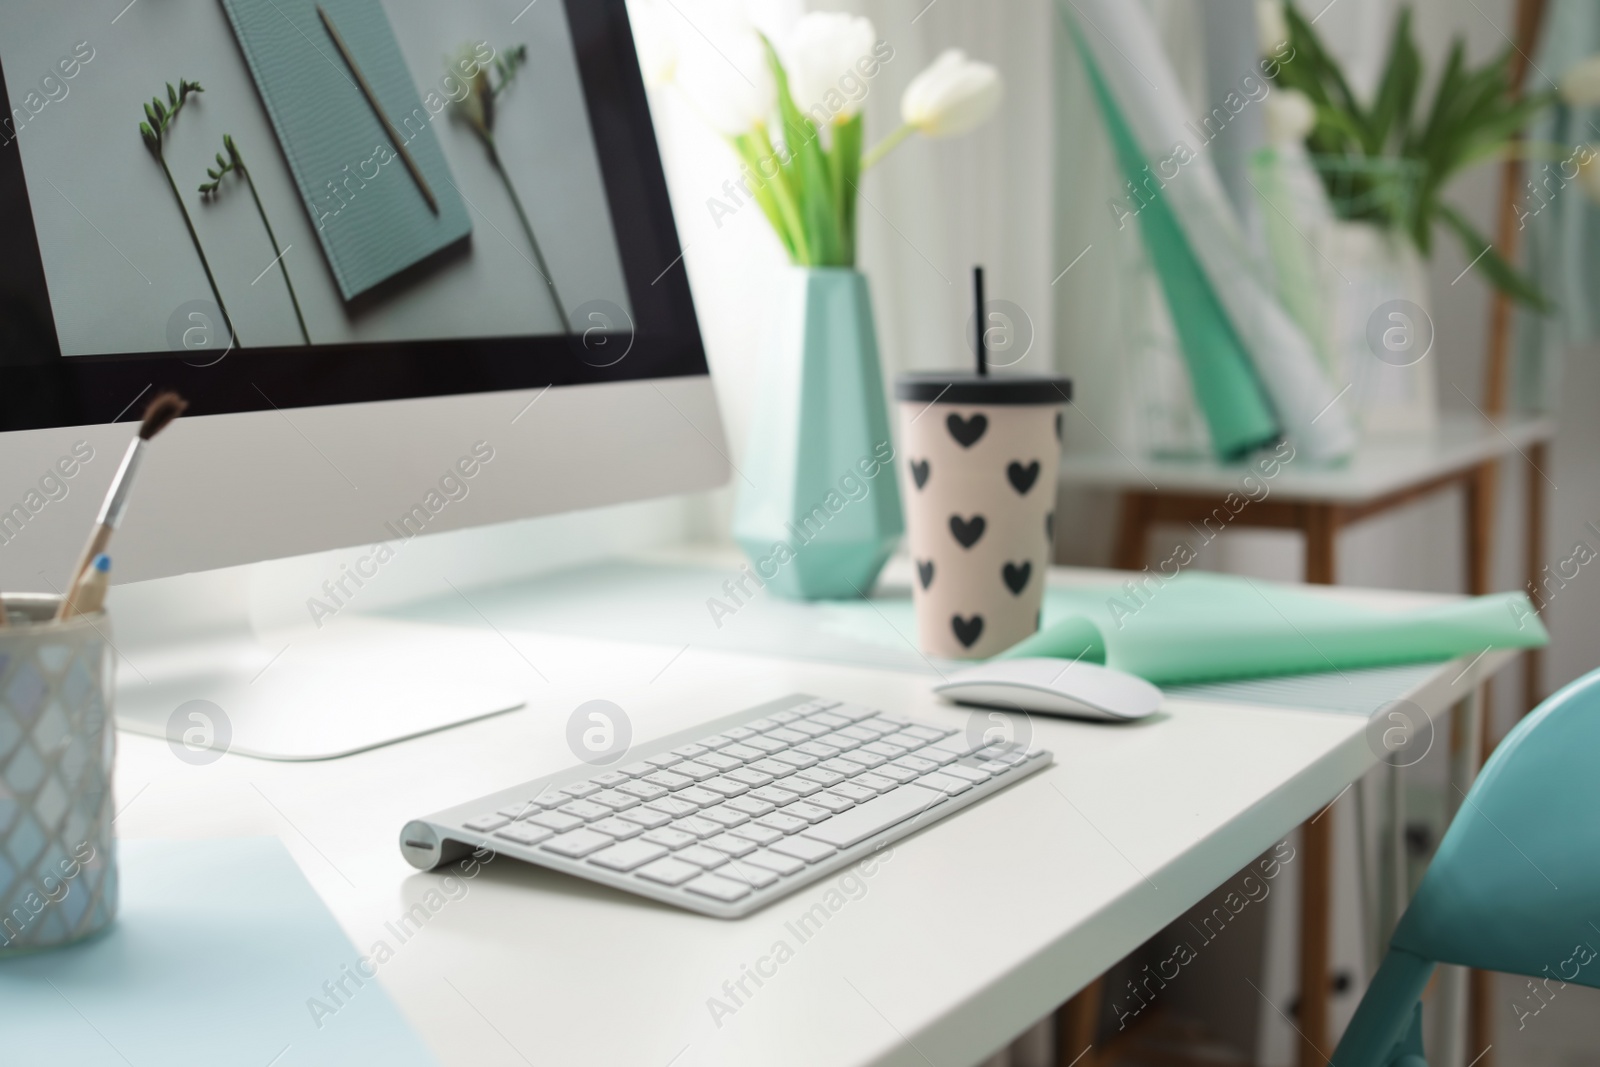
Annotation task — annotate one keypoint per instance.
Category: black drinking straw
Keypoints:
(977, 296)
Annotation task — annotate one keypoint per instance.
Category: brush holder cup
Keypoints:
(58, 876)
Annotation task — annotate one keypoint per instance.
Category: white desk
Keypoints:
(972, 930)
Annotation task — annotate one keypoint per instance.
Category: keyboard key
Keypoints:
(766, 744)
(865, 758)
(716, 740)
(913, 763)
(794, 784)
(719, 761)
(621, 829)
(900, 775)
(927, 733)
(877, 727)
(772, 794)
(738, 733)
(485, 823)
(933, 754)
(875, 781)
(864, 820)
(958, 744)
(832, 801)
(638, 770)
(839, 740)
(906, 740)
(804, 809)
(699, 826)
(853, 712)
(524, 833)
(645, 817)
(643, 789)
(944, 783)
(794, 758)
(723, 889)
(584, 810)
(995, 767)
(627, 855)
(752, 805)
(578, 790)
(670, 838)
(559, 821)
(772, 861)
(762, 724)
(673, 806)
(610, 779)
(966, 774)
(788, 736)
(754, 831)
(690, 751)
(785, 823)
(614, 799)
(785, 716)
(810, 729)
(742, 752)
(756, 877)
(841, 766)
(520, 810)
(881, 748)
(576, 843)
(700, 856)
(859, 733)
(666, 759)
(730, 845)
(726, 787)
(802, 848)
(695, 769)
(776, 768)
(698, 797)
(817, 749)
(853, 792)
(669, 871)
(751, 777)
(821, 775)
(725, 815)
(828, 719)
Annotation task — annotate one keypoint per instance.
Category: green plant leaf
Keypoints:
(151, 117)
(1501, 274)
(172, 95)
(846, 166)
(1391, 109)
(814, 186)
(150, 140)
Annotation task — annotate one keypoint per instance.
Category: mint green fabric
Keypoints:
(1208, 627)
(1229, 393)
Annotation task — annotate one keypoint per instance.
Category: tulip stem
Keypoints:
(887, 145)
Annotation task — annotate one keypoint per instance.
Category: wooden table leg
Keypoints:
(1133, 531)
(1320, 523)
(1077, 1026)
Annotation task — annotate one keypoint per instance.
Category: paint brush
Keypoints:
(89, 595)
(162, 410)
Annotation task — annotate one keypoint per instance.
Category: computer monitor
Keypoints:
(411, 263)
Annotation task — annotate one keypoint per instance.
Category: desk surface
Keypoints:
(967, 933)
(1379, 468)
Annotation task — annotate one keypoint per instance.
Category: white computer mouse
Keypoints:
(1053, 687)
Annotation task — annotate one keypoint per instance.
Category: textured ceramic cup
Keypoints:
(58, 877)
(980, 457)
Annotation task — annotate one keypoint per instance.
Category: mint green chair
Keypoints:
(1515, 886)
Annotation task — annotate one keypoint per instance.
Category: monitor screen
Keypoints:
(279, 203)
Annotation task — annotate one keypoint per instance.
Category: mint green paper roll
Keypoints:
(1207, 627)
(1230, 395)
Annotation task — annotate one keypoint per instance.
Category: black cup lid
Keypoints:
(968, 388)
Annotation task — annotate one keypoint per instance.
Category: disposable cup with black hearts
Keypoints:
(979, 461)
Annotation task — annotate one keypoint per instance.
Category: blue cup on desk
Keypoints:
(58, 875)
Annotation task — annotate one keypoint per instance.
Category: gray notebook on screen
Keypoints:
(370, 213)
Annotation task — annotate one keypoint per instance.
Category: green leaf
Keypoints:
(161, 110)
(151, 117)
(150, 140)
(1500, 274)
(172, 95)
(846, 167)
(1391, 110)
(814, 185)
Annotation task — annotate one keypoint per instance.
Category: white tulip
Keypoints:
(653, 40)
(1272, 26)
(1290, 116)
(727, 79)
(952, 96)
(1580, 85)
(827, 56)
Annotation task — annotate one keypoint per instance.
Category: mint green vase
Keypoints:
(818, 511)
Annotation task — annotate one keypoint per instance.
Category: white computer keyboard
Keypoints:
(728, 817)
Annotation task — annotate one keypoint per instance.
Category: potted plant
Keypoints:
(1384, 165)
(792, 113)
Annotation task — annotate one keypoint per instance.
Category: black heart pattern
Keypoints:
(1022, 478)
(967, 431)
(1017, 577)
(925, 572)
(919, 472)
(967, 631)
(967, 531)
(1058, 426)
(1050, 527)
